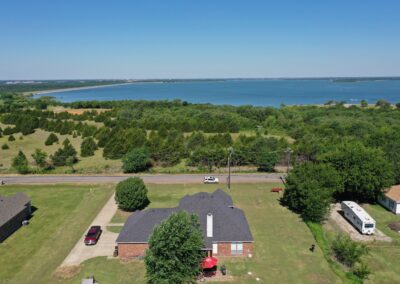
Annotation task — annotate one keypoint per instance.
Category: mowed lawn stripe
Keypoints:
(32, 254)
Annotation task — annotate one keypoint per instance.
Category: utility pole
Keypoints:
(288, 152)
(230, 152)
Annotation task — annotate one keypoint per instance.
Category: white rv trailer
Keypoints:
(358, 217)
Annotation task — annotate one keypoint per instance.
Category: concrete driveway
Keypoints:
(106, 243)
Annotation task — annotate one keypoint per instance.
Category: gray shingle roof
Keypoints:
(229, 223)
(11, 206)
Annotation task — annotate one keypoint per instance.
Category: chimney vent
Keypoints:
(209, 225)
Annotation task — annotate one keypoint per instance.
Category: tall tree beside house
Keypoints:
(309, 189)
(88, 147)
(365, 171)
(131, 194)
(174, 253)
(20, 163)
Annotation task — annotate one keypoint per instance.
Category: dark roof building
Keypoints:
(13, 210)
(223, 224)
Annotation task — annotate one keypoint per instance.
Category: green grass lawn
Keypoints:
(282, 240)
(63, 213)
(384, 258)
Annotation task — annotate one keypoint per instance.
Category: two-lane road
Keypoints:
(155, 179)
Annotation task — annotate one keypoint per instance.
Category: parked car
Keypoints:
(93, 235)
(211, 180)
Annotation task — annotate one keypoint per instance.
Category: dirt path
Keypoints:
(155, 179)
(106, 243)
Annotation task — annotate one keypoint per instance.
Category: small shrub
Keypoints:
(361, 270)
(347, 251)
(20, 163)
(131, 194)
(364, 103)
(21, 137)
(39, 157)
(51, 139)
(5, 147)
(11, 138)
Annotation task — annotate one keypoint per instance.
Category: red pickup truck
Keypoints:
(92, 235)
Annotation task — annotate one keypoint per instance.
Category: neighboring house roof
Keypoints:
(10, 206)
(229, 222)
(394, 193)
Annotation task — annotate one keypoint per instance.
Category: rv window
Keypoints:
(369, 225)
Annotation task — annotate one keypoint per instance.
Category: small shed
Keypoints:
(390, 199)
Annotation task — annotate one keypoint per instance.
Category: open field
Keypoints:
(282, 240)
(30, 143)
(90, 165)
(62, 214)
(384, 257)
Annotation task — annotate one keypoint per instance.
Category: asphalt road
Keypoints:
(155, 179)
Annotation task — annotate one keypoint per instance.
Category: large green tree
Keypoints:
(174, 252)
(365, 171)
(208, 157)
(309, 189)
(88, 147)
(51, 139)
(266, 161)
(137, 160)
(64, 154)
(131, 194)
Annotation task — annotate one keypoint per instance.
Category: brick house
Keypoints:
(225, 228)
(13, 210)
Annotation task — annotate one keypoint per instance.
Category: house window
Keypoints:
(215, 248)
(236, 248)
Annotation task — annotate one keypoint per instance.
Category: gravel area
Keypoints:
(337, 220)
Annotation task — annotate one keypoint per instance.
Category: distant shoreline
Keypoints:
(35, 93)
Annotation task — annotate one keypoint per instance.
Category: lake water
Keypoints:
(244, 92)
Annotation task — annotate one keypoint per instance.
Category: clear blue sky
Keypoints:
(198, 39)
